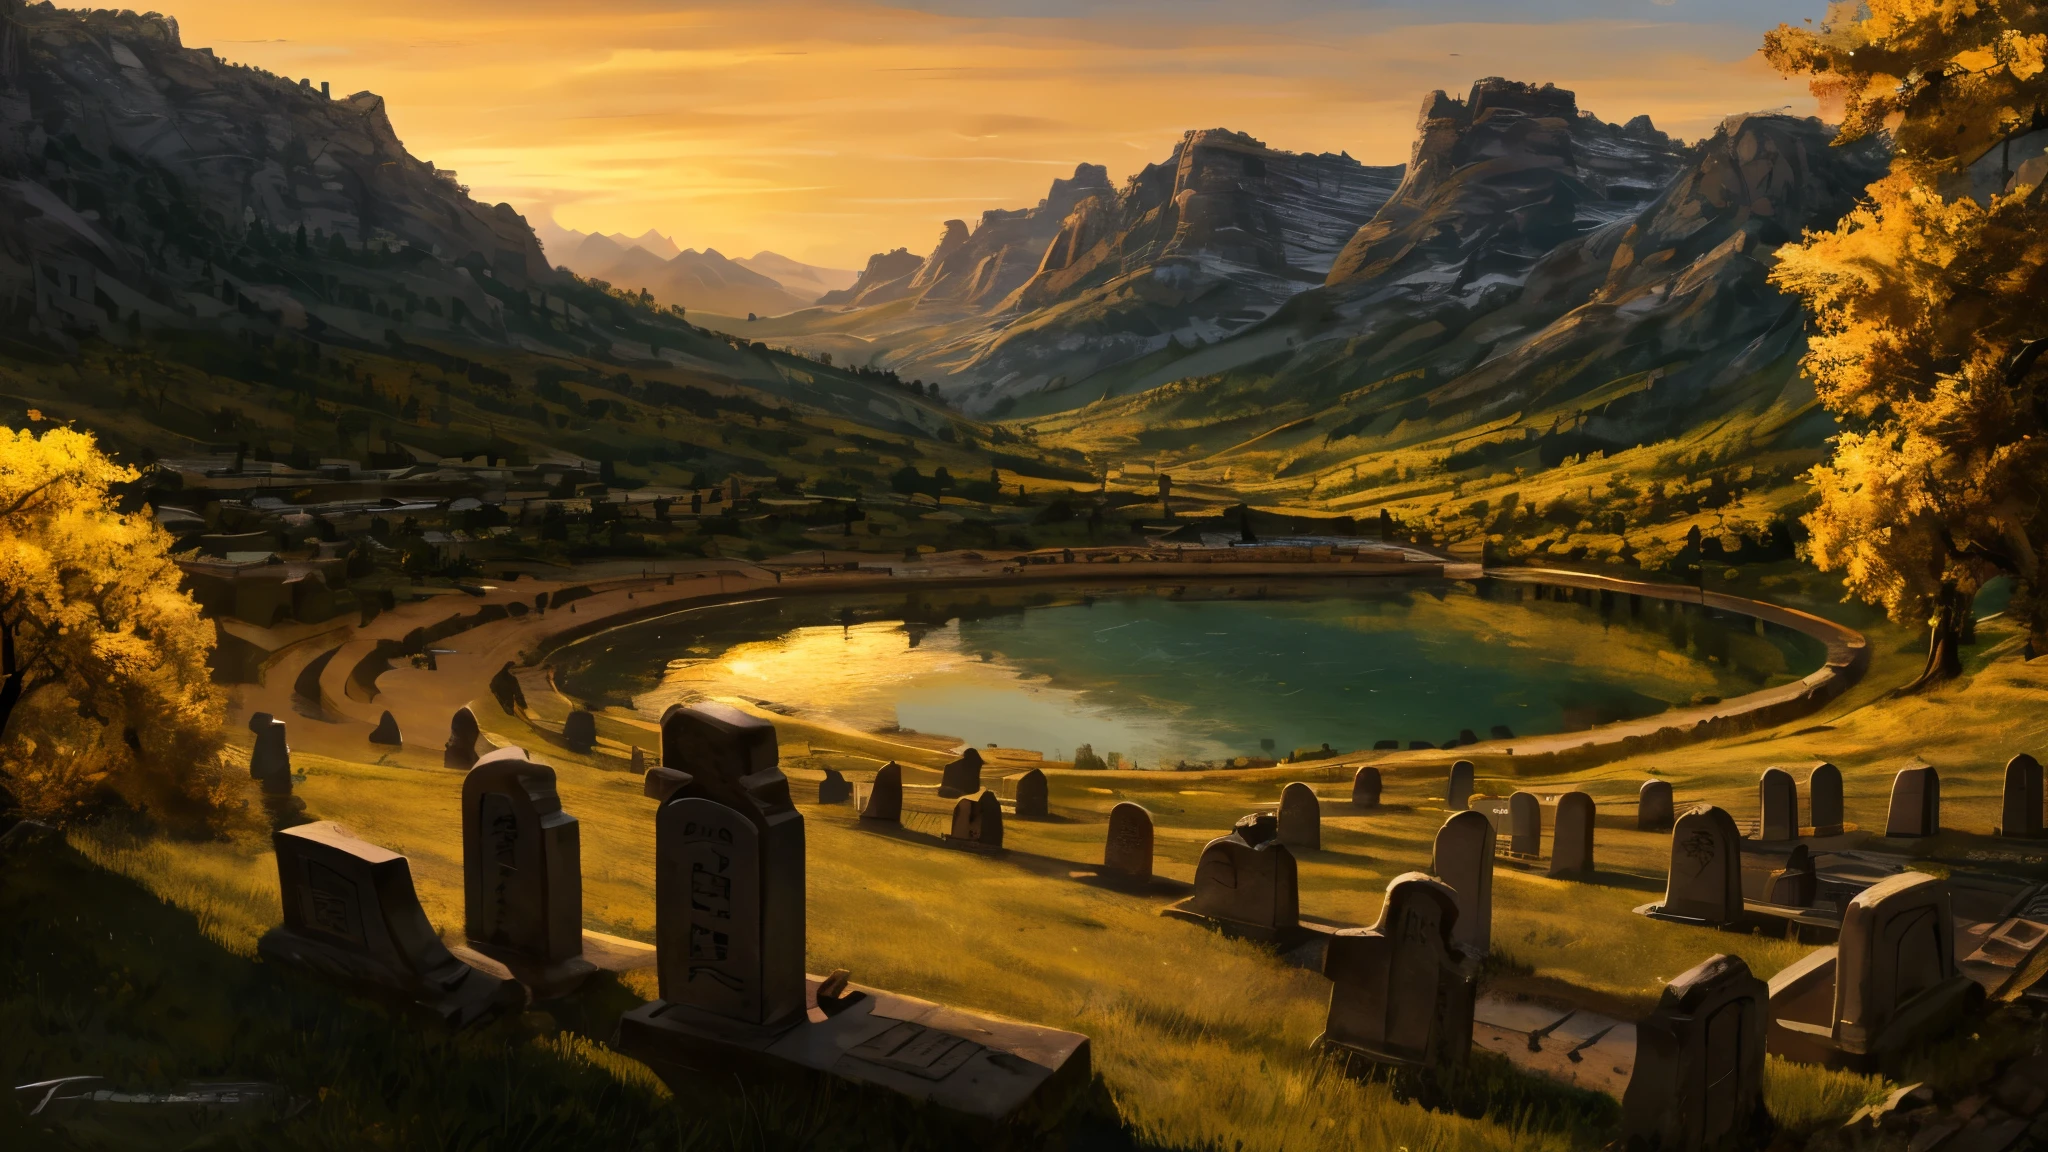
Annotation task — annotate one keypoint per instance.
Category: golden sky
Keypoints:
(830, 129)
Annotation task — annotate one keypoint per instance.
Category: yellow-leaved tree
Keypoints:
(104, 684)
(1930, 305)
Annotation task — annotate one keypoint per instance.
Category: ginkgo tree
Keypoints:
(1930, 311)
(104, 685)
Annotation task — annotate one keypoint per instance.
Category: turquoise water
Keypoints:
(1162, 676)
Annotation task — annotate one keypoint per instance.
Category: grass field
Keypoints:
(1199, 1041)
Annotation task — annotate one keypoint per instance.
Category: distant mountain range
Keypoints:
(766, 283)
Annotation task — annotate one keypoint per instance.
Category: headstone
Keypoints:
(1653, 806)
(639, 765)
(351, 914)
(1246, 882)
(834, 789)
(1795, 883)
(386, 731)
(978, 821)
(1824, 798)
(1777, 806)
(1571, 836)
(1463, 858)
(1898, 942)
(1916, 802)
(271, 760)
(1402, 991)
(1127, 851)
(963, 776)
(463, 731)
(522, 872)
(1030, 796)
(1525, 824)
(258, 720)
(885, 795)
(1301, 818)
(2020, 815)
(729, 871)
(1698, 1080)
(1365, 787)
(1458, 790)
(1706, 868)
(579, 730)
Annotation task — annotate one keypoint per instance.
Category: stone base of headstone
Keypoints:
(980, 1066)
(1805, 925)
(1282, 940)
(458, 993)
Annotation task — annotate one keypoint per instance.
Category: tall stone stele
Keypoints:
(1698, 1081)
(1525, 824)
(1824, 799)
(460, 751)
(885, 796)
(1365, 787)
(271, 760)
(522, 873)
(1246, 883)
(1777, 806)
(1653, 806)
(728, 871)
(1571, 836)
(963, 776)
(1127, 850)
(1301, 818)
(351, 915)
(2020, 814)
(1705, 881)
(1916, 802)
(1458, 788)
(1463, 859)
(1402, 991)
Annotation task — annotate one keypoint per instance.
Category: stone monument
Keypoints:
(1127, 851)
(1916, 802)
(885, 795)
(1365, 787)
(1824, 797)
(963, 776)
(463, 731)
(1030, 796)
(978, 821)
(1402, 991)
(1705, 883)
(834, 789)
(1245, 884)
(271, 759)
(1301, 818)
(351, 915)
(1777, 806)
(579, 730)
(1458, 789)
(1463, 859)
(1653, 806)
(1525, 824)
(2020, 815)
(1698, 1080)
(386, 731)
(522, 873)
(1571, 836)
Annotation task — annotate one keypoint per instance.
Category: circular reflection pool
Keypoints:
(1192, 673)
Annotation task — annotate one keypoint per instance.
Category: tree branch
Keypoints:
(25, 497)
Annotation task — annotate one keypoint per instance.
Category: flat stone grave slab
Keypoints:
(1569, 1045)
(981, 1066)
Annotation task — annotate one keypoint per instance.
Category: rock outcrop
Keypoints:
(886, 277)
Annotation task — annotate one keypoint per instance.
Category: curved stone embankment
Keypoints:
(371, 672)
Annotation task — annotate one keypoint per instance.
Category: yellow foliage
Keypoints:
(108, 687)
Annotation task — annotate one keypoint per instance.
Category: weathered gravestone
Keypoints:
(351, 915)
(1245, 883)
(1525, 824)
(1030, 796)
(522, 873)
(834, 788)
(386, 731)
(1571, 836)
(1706, 869)
(1300, 823)
(962, 777)
(1127, 851)
(1916, 802)
(1458, 789)
(2020, 815)
(885, 795)
(639, 763)
(271, 760)
(1365, 787)
(1698, 1080)
(1653, 806)
(1777, 806)
(1824, 797)
(978, 821)
(729, 909)
(579, 730)
(1463, 858)
(1402, 990)
(460, 751)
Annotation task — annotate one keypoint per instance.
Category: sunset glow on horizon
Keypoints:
(828, 130)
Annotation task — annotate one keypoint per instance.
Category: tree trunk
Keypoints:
(1944, 641)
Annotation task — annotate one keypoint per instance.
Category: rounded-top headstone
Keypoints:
(1525, 824)
(1032, 797)
(885, 795)
(2020, 814)
(463, 730)
(579, 730)
(1463, 858)
(1127, 851)
(1777, 806)
(1706, 867)
(1458, 790)
(1571, 836)
(1301, 818)
(1916, 802)
(1653, 806)
(1824, 798)
(1365, 787)
(271, 760)
(386, 731)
